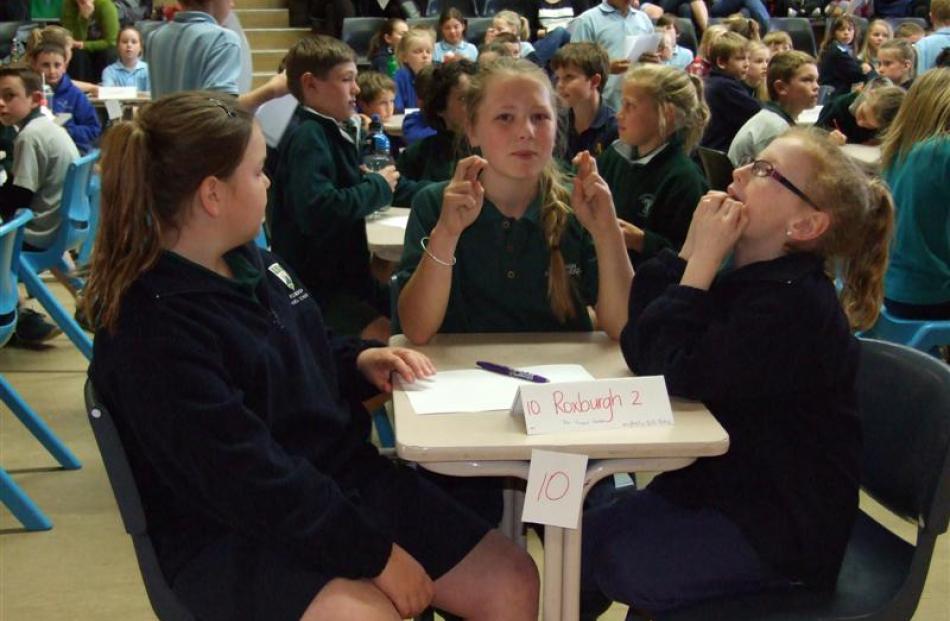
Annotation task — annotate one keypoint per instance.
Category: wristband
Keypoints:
(422, 244)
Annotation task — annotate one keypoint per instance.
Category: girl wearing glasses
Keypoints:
(766, 344)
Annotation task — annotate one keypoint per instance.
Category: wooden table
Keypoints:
(385, 240)
(496, 444)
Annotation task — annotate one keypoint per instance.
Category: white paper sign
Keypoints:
(118, 92)
(555, 488)
(637, 45)
(113, 109)
(594, 405)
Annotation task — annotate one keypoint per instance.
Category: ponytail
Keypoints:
(863, 271)
(555, 212)
(151, 168)
(676, 89)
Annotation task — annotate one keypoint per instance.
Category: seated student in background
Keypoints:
(609, 24)
(41, 152)
(443, 109)
(499, 247)
(498, 48)
(730, 103)
(837, 66)
(414, 53)
(195, 52)
(130, 69)
(701, 66)
(930, 46)
(58, 35)
(321, 195)
(671, 53)
(512, 23)
(879, 32)
(916, 159)
(240, 412)
(910, 31)
(895, 61)
(511, 41)
(452, 45)
(587, 122)
(767, 333)
(377, 96)
(94, 25)
(793, 88)
(755, 77)
(778, 41)
(654, 182)
(861, 117)
(414, 126)
(382, 47)
(83, 125)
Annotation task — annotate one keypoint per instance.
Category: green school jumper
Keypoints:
(500, 279)
(317, 204)
(657, 193)
(431, 159)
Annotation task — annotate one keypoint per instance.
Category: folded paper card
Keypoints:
(555, 490)
(475, 390)
(594, 405)
(118, 92)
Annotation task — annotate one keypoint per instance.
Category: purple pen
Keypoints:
(503, 370)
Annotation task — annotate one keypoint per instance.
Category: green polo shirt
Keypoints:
(657, 194)
(431, 159)
(500, 279)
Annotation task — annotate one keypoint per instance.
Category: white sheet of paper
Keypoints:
(118, 92)
(809, 116)
(637, 45)
(476, 390)
(113, 109)
(399, 222)
(555, 488)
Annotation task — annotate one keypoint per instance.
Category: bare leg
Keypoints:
(700, 15)
(496, 581)
(350, 599)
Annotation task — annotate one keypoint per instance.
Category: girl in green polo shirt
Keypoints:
(505, 246)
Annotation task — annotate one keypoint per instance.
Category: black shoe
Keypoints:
(33, 329)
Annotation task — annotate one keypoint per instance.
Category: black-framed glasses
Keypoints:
(763, 168)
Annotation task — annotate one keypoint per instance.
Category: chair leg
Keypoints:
(37, 426)
(20, 505)
(56, 312)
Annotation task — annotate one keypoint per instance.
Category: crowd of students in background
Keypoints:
(554, 186)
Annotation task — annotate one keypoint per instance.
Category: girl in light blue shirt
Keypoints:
(130, 69)
(452, 46)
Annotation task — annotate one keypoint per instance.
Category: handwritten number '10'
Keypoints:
(549, 479)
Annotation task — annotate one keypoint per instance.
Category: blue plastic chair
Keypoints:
(24, 509)
(926, 335)
(95, 192)
(73, 230)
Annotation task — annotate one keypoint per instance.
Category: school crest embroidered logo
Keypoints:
(277, 270)
(646, 204)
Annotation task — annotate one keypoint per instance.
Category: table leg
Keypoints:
(571, 571)
(553, 573)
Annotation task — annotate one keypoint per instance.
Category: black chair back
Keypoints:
(687, 34)
(717, 166)
(357, 32)
(477, 27)
(165, 603)
(799, 29)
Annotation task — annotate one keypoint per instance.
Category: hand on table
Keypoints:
(377, 364)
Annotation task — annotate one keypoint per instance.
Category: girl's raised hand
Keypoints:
(463, 197)
(717, 225)
(591, 199)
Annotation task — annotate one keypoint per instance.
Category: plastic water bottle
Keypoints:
(377, 154)
(392, 65)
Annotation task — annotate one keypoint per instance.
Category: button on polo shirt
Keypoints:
(500, 279)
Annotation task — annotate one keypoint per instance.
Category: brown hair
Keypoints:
(118, 37)
(590, 58)
(146, 185)
(940, 11)
(837, 24)
(32, 82)
(372, 84)
(726, 46)
(746, 26)
(885, 102)
(555, 198)
(56, 35)
(709, 37)
(784, 66)
(908, 29)
(315, 55)
(905, 52)
(435, 96)
(778, 36)
(453, 13)
(862, 221)
(515, 22)
(673, 88)
(924, 114)
(47, 48)
(386, 30)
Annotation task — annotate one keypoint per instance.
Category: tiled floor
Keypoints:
(84, 568)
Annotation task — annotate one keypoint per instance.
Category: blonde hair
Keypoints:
(940, 10)
(778, 36)
(761, 90)
(905, 52)
(555, 198)
(866, 53)
(672, 88)
(746, 26)
(413, 35)
(924, 114)
(146, 186)
(862, 220)
(49, 35)
(727, 46)
(514, 22)
(712, 33)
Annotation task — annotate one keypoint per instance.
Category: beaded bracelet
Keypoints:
(422, 243)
